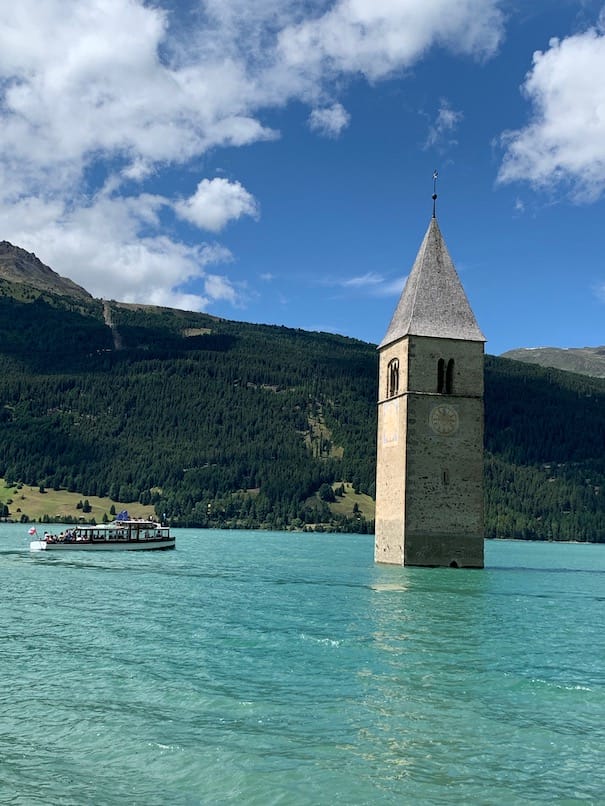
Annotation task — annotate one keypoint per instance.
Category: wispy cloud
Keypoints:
(329, 121)
(218, 287)
(443, 126)
(393, 288)
(370, 283)
(368, 280)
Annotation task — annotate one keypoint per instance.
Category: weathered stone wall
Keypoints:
(429, 475)
(397, 350)
(444, 482)
(391, 457)
(454, 551)
(424, 355)
(390, 481)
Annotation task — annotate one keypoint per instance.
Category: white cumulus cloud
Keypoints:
(215, 203)
(377, 37)
(564, 142)
(106, 247)
(329, 121)
(98, 97)
(218, 287)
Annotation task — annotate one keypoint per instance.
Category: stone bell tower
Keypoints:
(429, 470)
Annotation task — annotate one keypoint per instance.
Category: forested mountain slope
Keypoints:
(224, 423)
(545, 453)
(191, 412)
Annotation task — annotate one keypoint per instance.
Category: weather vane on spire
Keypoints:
(435, 175)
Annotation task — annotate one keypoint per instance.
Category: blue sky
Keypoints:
(272, 161)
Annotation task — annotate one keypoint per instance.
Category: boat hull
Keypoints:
(104, 545)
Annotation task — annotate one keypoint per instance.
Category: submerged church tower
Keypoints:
(429, 470)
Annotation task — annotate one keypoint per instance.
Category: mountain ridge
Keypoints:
(24, 268)
(581, 360)
(218, 423)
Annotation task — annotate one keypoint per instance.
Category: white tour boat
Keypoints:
(123, 534)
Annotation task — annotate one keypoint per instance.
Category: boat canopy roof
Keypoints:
(133, 523)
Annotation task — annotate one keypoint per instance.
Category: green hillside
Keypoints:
(213, 422)
(545, 453)
(219, 423)
(583, 360)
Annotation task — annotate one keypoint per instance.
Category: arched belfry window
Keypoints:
(393, 377)
(449, 377)
(441, 376)
(445, 376)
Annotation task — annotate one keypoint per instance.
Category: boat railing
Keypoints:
(108, 535)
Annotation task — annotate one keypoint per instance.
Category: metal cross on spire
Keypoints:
(435, 175)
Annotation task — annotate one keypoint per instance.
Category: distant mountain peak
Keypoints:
(24, 268)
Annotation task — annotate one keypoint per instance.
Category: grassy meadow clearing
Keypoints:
(39, 504)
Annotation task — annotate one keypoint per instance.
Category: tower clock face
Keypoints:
(444, 420)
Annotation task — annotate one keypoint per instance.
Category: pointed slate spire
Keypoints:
(433, 302)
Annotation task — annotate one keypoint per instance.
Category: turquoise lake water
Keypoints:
(269, 668)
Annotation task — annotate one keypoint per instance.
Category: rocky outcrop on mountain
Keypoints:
(23, 268)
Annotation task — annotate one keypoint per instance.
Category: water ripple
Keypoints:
(266, 668)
